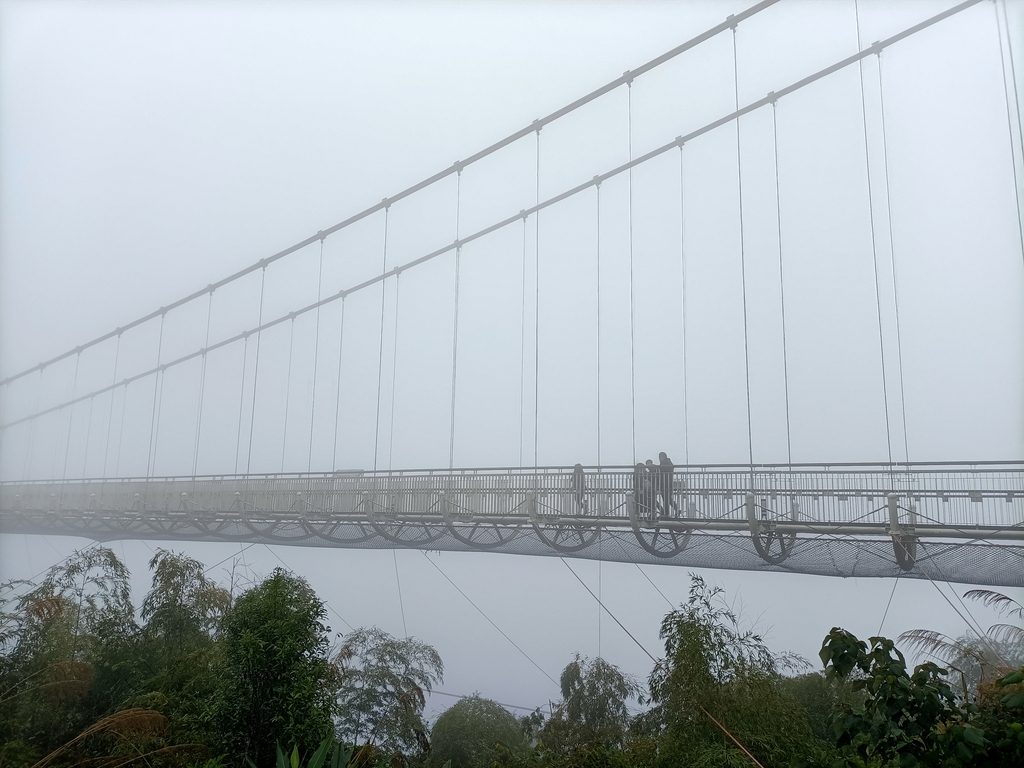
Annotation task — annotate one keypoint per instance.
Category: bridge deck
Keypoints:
(956, 522)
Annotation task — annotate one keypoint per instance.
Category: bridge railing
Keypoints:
(965, 496)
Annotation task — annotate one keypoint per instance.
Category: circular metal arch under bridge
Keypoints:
(951, 522)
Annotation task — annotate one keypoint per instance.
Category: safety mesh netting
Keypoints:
(973, 562)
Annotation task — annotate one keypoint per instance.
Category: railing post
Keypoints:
(894, 515)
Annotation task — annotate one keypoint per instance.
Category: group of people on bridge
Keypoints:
(651, 483)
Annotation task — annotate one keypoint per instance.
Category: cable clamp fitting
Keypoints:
(628, 76)
(386, 203)
(680, 142)
(731, 21)
(772, 98)
(321, 236)
(876, 48)
(458, 166)
(536, 125)
(523, 214)
(210, 288)
(262, 263)
(597, 180)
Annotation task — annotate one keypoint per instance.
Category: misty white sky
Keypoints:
(147, 150)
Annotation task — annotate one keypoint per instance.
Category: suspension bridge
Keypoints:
(242, 412)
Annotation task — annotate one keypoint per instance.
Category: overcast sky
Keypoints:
(147, 150)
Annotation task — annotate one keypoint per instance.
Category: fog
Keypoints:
(152, 149)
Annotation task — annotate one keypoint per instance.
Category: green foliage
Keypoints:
(468, 734)
(276, 683)
(183, 609)
(383, 682)
(910, 719)
(818, 696)
(69, 653)
(594, 709)
(714, 670)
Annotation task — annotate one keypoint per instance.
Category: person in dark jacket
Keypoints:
(579, 487)
(666, 475)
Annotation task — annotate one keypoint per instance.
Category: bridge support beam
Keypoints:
(904, 538)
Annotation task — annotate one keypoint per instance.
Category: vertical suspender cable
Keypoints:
(153, 426)
(32, 428)
(394, 373)
(316, 354)
(120, 431)
(202, 389)
(522, 346)
(1013, 78)
(288, 388)
(159, 415)
(632, 313)
(743, 255)
(597, 263)
(682, 312)
(88, 435)
(380, 347)
(1009, 121)
(536, 321)
(874, 245)
(71, 417)
(256, 372)
(782, 282)
(455, 321)
(110, 413)
(892, 263)
(337, 408)
(241, 399)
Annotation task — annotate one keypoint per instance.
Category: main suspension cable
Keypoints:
(256, 373)
(743, 255)
(380, 347)
(510, 139)
(874, 244)
(316, 356)
(892, 264)
(566, 194)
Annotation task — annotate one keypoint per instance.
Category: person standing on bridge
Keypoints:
(579, 487)
(666, 475)
(639, 496)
